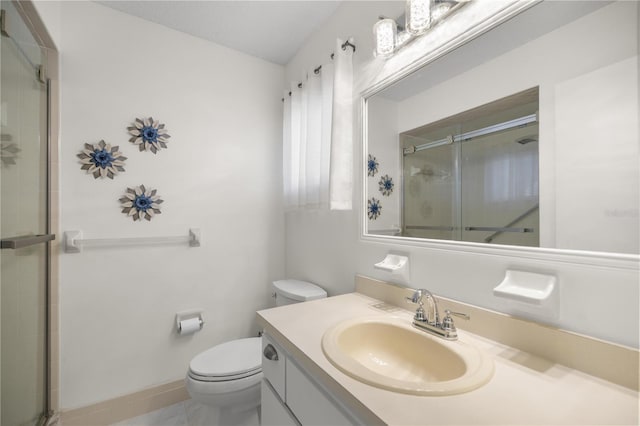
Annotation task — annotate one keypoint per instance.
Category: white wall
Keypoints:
(221, 173)
(326, 247)
(383, 134)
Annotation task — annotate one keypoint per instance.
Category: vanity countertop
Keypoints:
(525, 389)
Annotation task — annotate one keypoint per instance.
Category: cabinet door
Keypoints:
(311, 405)
(274, 412)
(273, 364)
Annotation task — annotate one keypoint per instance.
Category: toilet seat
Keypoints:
(228, 361)
(202, 378)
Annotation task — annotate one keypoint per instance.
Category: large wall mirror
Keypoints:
(527, 135)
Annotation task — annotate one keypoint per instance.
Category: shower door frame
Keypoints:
(29, 14)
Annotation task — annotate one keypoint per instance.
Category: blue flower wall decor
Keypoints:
(372, 165)
(141, 203)
(386, 185)
(102, 160)
(374, 209)
(148, 134)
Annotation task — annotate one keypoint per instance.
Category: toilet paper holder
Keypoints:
(185, 321)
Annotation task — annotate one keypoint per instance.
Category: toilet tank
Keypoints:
(296, 291)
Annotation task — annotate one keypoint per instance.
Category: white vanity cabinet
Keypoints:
(274, 411)
(291, 397)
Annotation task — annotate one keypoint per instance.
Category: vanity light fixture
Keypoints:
(420, 16)
(385, 32)
(441, 9)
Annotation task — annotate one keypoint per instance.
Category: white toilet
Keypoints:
(227, 376)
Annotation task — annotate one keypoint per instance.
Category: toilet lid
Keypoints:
(299, 290)
(234, 359)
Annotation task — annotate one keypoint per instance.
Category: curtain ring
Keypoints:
(347, 43)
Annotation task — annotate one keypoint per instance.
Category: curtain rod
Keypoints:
(317, 70)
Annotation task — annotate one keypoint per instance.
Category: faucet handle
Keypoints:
(457, 314)
(416, 297)
(447, 321)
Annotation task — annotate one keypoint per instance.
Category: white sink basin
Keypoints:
(389, 353)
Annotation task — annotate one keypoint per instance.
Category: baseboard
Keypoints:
(127, 406)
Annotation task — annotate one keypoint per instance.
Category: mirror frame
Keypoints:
(468, 23)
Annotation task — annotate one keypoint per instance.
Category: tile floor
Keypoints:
(186, 413)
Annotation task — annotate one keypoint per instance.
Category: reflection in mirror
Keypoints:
(566, 177)
(474, 176)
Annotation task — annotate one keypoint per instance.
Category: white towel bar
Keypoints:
(74, 243)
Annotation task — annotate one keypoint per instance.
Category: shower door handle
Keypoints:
(25, 241)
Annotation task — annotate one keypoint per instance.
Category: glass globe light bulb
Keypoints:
(418, 16)
(385, 37)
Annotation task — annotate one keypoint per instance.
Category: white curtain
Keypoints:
(341, 184)
(317, 145)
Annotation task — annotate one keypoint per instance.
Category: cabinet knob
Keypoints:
(270, 352)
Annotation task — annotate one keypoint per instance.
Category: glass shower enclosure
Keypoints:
(24, 225)
(474, 176)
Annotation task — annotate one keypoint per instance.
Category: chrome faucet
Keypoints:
(429, 320)
(431, 316)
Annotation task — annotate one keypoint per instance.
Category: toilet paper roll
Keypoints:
(189, 326)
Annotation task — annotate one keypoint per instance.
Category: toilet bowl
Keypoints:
(227, 376)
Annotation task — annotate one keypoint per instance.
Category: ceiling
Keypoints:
(271, 30)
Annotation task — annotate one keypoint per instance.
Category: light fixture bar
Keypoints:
(419, 17)
(518, 122)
